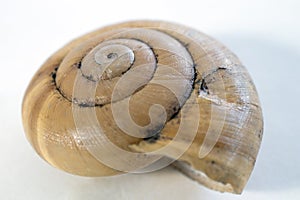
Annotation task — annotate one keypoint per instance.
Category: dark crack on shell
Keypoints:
(203, 87)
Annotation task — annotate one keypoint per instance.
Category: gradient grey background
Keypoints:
(265, 36)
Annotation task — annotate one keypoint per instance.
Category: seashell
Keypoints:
(138, 96)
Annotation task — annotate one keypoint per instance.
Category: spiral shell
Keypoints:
(138, 96)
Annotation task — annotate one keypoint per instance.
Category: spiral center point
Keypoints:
(112, 55)
(107, 61)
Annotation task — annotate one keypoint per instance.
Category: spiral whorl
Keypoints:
(136, 96)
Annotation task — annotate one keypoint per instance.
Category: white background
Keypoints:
(264, 34)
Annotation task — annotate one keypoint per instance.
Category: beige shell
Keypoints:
(140, 95)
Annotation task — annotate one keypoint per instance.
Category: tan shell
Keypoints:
(210, 127)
